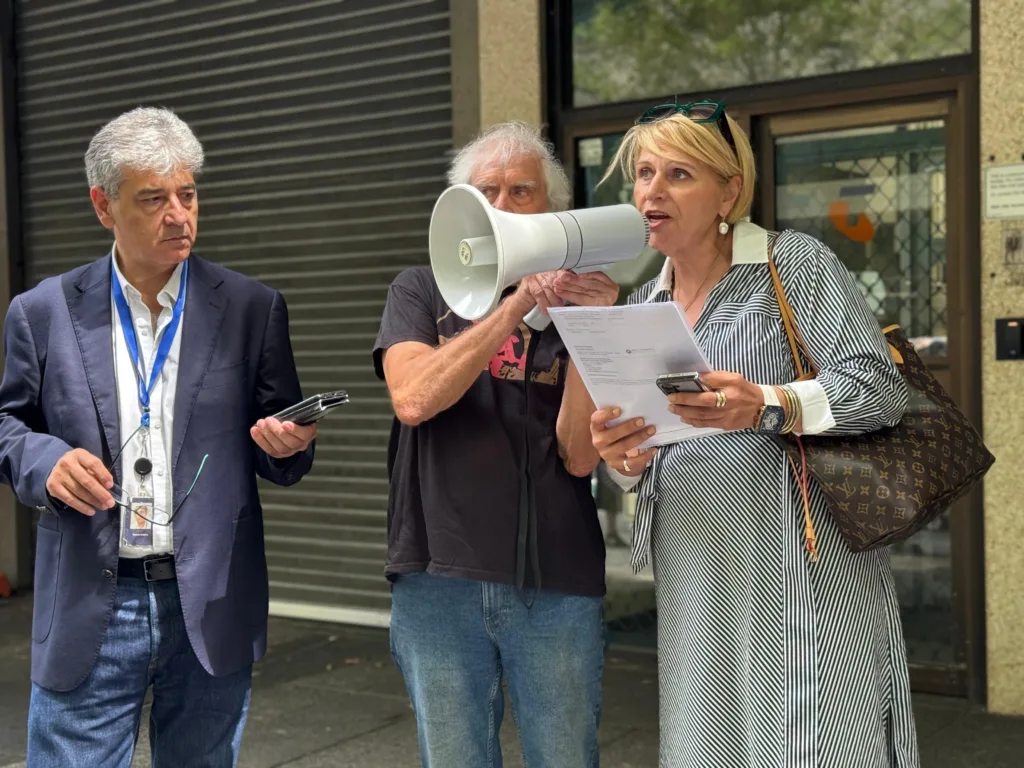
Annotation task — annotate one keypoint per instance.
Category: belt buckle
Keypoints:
(147, 565)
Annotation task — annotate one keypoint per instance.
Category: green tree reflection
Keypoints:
(629, 49)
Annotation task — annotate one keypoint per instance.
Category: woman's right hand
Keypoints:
(619, 445)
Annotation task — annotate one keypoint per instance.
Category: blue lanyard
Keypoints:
(130, 340)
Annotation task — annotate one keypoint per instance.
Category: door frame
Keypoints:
(877, 115)
(965, 677)
(959, 92)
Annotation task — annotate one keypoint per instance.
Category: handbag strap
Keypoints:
(797, 345)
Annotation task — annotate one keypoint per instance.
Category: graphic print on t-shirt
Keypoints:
(510, 361)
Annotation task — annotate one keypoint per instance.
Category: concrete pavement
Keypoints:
(328, 695)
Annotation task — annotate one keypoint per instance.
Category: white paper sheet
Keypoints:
(621, 351)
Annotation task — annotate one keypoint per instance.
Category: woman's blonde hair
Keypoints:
(678, 135)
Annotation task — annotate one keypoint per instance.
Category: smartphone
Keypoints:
(673, 383)
(313, 408)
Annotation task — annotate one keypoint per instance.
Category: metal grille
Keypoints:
(877, 197)
(327, 127)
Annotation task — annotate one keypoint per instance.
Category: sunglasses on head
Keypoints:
(698, 112)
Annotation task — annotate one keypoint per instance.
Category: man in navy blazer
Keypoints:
(134, 412)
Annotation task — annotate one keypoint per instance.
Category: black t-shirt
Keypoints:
(454, 506)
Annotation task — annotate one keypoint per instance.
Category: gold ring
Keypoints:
(625, 465)
(720, 399)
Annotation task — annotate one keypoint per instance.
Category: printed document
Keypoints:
(621, 351)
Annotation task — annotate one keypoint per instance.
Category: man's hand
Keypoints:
(538, 290)
(80, 480)
(281, 440)
(590, 289)
(553, 289)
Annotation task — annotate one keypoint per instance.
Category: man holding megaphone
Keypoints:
(489, 462)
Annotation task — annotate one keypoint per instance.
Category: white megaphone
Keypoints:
(476, 251)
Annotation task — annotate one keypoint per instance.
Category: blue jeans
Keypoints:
(454, 639)
(196, 720)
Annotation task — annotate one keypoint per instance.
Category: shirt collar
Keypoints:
(168, 294)
(749, 246)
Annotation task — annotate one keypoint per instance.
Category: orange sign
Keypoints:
(861, 231)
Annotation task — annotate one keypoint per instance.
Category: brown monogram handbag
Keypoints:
(885, 486)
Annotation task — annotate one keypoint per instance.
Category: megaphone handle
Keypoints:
(537, 319)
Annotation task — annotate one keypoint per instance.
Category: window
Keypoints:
(593, 155)
(633, 49)
(877, 197)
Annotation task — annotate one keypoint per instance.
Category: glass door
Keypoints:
(871, 182)
(629, 604)
(872, 185)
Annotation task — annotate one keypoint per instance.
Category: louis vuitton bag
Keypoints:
(884, 486)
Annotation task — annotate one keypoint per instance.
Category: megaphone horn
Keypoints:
(477, 251)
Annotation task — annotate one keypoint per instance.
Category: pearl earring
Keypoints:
(723, 228)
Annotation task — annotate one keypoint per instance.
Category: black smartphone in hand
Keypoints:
(312, 409)
(674, 383)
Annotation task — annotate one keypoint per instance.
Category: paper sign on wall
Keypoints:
(1004, 191)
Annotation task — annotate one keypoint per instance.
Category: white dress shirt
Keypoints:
(157, 446)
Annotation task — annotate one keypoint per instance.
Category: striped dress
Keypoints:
(766, 659)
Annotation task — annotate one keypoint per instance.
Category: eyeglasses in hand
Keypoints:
(123, 500)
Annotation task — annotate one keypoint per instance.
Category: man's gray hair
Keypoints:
(504, 141)
(144, 139)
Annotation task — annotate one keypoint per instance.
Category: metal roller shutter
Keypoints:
(327, 126)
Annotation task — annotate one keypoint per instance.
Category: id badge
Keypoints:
(136, 529)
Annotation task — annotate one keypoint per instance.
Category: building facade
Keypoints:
(879, 127)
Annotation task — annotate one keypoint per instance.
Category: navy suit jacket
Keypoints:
(58, 393)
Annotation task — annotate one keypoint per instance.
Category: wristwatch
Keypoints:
(771, 416)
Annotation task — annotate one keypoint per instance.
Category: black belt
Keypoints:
(150, 568)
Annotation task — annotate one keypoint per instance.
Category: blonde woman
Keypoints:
(775, 649)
